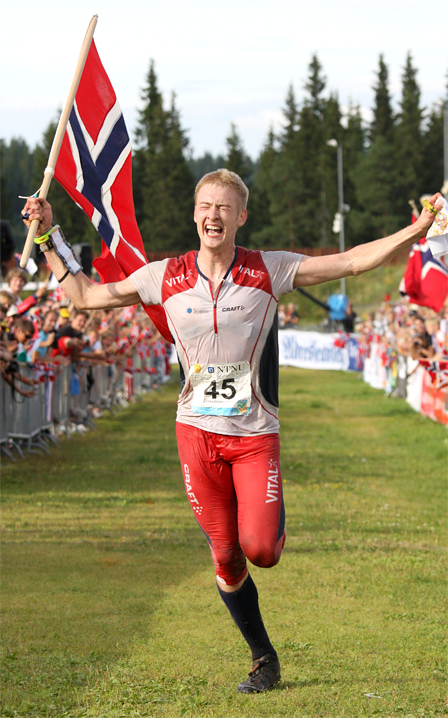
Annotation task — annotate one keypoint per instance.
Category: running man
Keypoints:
(221, 307)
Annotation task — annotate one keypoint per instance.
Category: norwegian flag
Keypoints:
(94, 167)
(425, 280)
(438, 371)
(341, 340)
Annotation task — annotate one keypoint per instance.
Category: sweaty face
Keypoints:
(218, 214)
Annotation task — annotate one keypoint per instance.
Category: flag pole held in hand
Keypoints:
(59, 136)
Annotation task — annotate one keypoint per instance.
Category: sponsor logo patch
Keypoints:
(195, 505)
(242, 407)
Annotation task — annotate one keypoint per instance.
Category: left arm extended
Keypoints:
(364, 257)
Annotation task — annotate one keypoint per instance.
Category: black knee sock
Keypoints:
(243, 607)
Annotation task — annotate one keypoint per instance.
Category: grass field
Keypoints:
(108, 597)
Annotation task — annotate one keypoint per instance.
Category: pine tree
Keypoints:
(163, 184)
(203, 165)
(376, 179)
(383, 120)
(432, 142)
(280, 183)
(261, 195)
(301, 174)
(377, 176)
(291, 115)
(315, 86)
(313, 157)
(179, 184)
(16, 162)
(332, 117)
(354, 145)
(433, 169)
(408, 139)
(238, 161)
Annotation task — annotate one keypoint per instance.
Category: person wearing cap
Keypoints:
(64, 317)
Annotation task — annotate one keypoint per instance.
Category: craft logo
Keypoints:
(242, 406)
(197, 508)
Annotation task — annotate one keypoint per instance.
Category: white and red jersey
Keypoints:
(227, 344)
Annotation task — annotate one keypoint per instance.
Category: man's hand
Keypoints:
(38, 208)
(43, 289)
(427, 218)
(364, 257)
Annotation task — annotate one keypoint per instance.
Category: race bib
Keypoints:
(221, 389)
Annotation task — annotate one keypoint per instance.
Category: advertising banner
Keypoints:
(313, 350)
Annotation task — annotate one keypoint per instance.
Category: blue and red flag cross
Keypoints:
(95, 168)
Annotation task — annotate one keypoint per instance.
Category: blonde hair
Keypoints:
(6, 298)
(16, 272)
(224, 178)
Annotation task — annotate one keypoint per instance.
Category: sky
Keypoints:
(228, 62)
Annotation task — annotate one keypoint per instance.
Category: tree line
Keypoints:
(394, 158)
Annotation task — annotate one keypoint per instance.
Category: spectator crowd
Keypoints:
(407, 329)
(46, 329)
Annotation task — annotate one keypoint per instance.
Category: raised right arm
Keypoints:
(79, 288)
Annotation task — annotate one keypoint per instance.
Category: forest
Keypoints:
(395, 158)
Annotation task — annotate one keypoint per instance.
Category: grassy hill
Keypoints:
(366, 293)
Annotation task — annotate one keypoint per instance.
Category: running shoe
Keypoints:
(264, 675)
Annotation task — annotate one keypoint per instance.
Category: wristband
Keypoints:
(64, 277)
(46, 246)
(45, 237)
(62, 248)
(430, 207)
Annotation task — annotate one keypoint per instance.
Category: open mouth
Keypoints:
(213, 230)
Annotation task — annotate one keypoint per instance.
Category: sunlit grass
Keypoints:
(109, 603)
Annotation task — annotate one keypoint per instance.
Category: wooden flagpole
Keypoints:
(59, 136)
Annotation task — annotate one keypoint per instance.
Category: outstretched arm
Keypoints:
(83, 293)
(364, 257)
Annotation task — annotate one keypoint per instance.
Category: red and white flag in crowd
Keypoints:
(94, 167)
(438, 371)
(425, 280)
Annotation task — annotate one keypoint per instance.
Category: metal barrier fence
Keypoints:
(68, 399)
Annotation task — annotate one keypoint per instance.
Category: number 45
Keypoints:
(226, 384)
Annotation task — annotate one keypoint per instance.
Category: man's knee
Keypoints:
(264, 555)
(230, 565)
